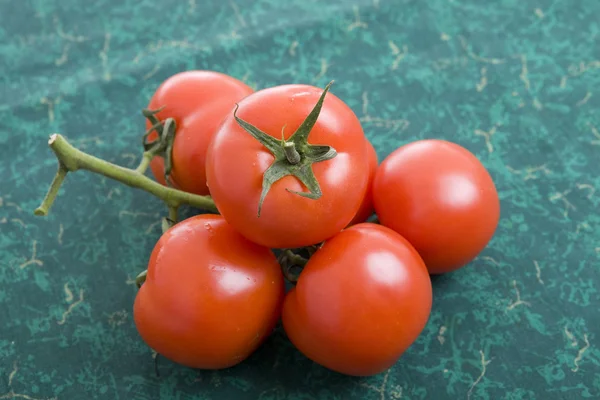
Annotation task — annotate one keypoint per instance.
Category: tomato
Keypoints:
(198, 101)
(296, 211)
(360, 302)
(366, 207)
(210, 297)
(441, 198)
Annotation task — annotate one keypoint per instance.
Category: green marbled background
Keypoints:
(516, 82)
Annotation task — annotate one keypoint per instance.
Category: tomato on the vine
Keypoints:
(210, 297)
(366, 207)
(198, 101)
(288, 168)
(441, 198)
(362, 299)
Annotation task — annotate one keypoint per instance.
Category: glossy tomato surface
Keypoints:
(236, 162)
(198, 101)
(360, 302)
(211, 297)
(441, 198)
(366, 208)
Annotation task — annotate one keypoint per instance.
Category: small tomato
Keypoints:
(360, 302)
(441, 198)
(198, 101)
(210, 297)
(289, 168)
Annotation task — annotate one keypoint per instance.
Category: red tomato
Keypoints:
(441, 198)
(236, 164)
(198, 101)
(210, 297)
(360, 302)
(366, 207)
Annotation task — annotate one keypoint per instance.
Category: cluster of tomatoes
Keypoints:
(290, 167)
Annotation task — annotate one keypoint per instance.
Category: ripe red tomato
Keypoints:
(441, 198)
(210, 297)
(360, 302)
(366, 207)
(198, 101)
(237, 163)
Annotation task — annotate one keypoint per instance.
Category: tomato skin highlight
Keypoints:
(204, 305)
(441, 198)
(198, 101)
(366, 208)
(360, 302)
(236, 163)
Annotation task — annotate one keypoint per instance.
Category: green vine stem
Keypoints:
(145, 163)
(71, 159)
(59, 178)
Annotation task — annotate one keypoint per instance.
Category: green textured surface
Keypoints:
(514, 81)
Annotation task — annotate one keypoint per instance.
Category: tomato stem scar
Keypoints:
(291, 153)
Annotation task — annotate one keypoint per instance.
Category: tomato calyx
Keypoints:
(292, 262)
(294, 156)
(163, 145)
(141, 278)
(288, 260)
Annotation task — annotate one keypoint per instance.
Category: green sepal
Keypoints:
(163, 146)
(285, 165)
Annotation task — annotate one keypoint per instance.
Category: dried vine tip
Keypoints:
(52, 138)
(294, 156)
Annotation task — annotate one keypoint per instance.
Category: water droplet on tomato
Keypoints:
(209, 228)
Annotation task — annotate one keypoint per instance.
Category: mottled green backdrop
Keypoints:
(517, 82)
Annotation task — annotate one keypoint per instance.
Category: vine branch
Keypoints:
(71, 159)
